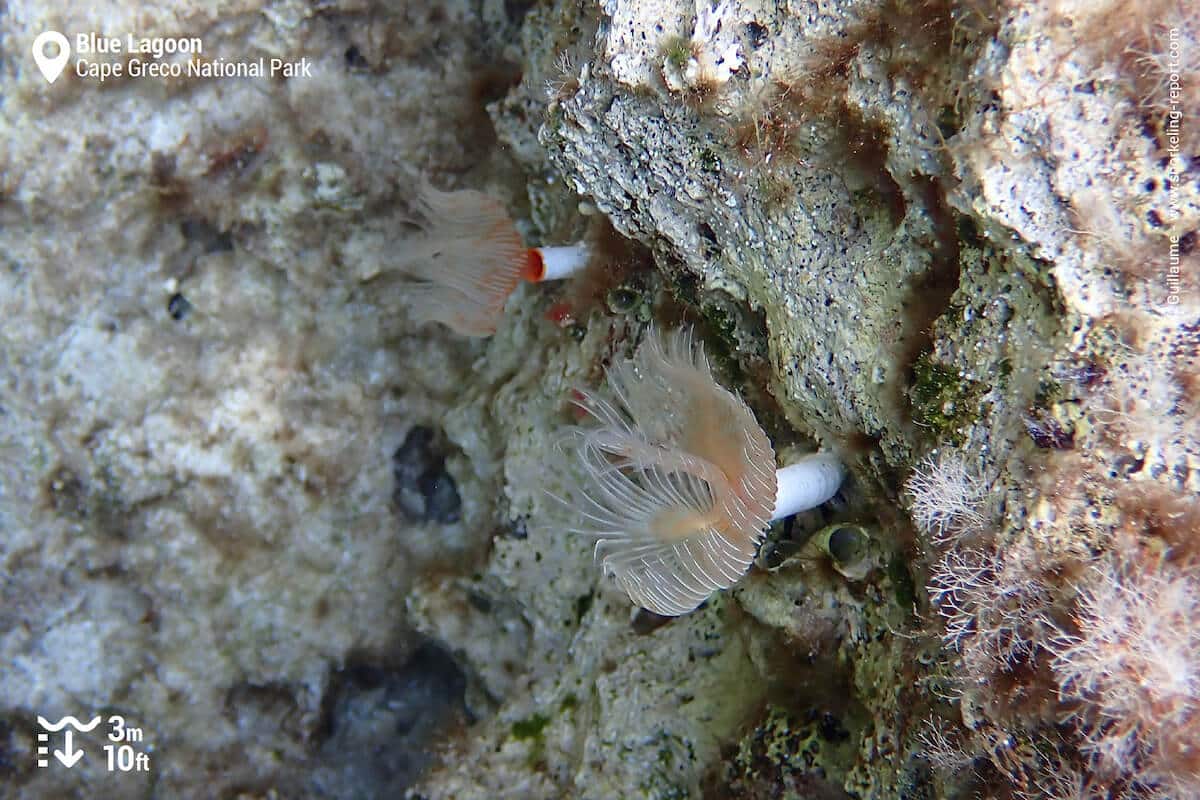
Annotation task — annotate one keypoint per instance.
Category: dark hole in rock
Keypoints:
(355, 60)
(757, 33)
(442, 503)
(414, 456)
(710, 244)
(424, 491)
(381, 724)
(178, 306)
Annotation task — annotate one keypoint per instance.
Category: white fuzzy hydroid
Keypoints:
(679, 480)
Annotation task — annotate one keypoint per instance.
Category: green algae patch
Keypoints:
(531, 727)
(943, 401)
(676, 50)
(903, 587)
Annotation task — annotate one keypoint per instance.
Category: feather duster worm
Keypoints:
(678, 480)
(470, 258)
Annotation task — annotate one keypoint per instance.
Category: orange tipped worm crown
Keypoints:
(470, 258)
(466, 264)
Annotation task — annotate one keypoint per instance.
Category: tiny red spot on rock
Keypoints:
(560, 314)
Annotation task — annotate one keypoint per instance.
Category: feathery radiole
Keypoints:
(678, 482)
(469, 259)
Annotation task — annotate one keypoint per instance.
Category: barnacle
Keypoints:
(678, 480)
(470, 258)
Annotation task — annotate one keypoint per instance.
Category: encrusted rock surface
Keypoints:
(919, 217)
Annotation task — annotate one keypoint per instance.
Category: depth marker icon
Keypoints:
(68, 756)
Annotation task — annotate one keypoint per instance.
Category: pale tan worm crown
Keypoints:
(678, 479)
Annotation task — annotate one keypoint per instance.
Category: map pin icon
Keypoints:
(51, 66)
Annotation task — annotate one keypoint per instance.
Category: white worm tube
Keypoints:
(807, 484)
(563, 261)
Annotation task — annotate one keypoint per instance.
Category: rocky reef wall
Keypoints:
(313, 548)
